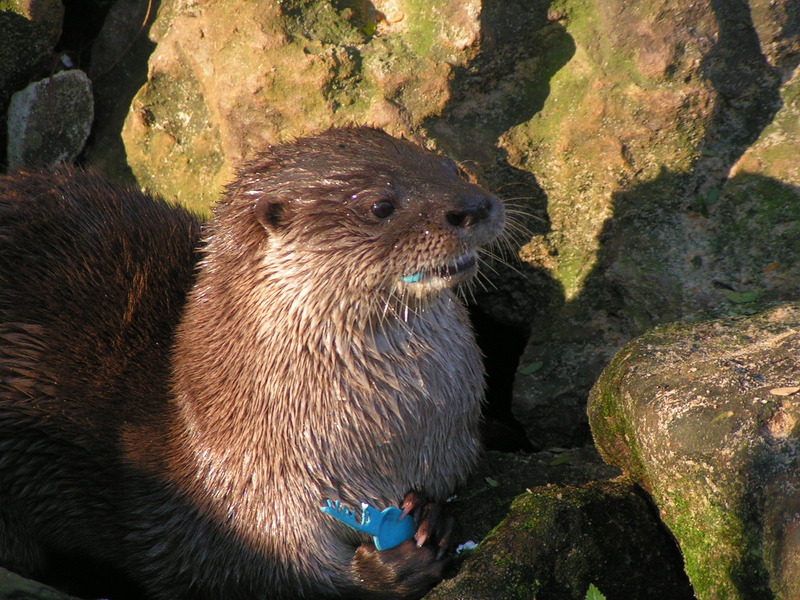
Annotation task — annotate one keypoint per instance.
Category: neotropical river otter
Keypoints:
(185, 428)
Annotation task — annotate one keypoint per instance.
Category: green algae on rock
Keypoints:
(688, 410)
(229, 78)
(667, 150)
(558, 540)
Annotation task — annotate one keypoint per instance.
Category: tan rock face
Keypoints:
(228, 78)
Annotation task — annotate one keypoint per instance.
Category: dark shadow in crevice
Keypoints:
(117, 67)
(504, 85)
(82, 23)
(502, 346)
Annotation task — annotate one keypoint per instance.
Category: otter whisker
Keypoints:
(484, 281)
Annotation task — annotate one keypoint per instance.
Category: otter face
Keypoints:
(381, 213)
(482, 218)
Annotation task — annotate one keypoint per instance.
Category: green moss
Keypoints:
(764, 198)
(722, 547)
(612, 429)
(295, 83)
(564, 77)
(179, 138)
(707, 535)
(325, 22)
(422, 26)
(567, 92)
(759, 224)
(614, 60)
(786, 120)
(349, 91)
(504, 560)
(573, 268)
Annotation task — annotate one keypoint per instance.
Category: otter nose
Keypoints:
(474, 211)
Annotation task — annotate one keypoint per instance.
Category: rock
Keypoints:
(118, 69)
(14, 587)
(49, 121)
(46, 16)
(774, 153)
(558, 540)
(572, 521)
(29, 30)
(705, 416)
(667, 151)
(500, 477)
(230, 77)
(778, 28)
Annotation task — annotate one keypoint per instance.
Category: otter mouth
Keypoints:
(460, 269)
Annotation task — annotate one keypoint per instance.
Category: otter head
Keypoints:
(370, 212)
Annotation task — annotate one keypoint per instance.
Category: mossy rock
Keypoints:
(704, 414)
(558, 540)
(228, 78)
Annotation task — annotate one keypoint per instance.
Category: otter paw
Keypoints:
(434, 527)
(405, 571)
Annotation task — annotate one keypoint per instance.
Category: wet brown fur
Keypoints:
(190, 447)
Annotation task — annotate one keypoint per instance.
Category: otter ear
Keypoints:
(273, 215)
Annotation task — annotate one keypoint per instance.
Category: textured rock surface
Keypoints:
(666, 150)
(49, 121)
(557, 540)
(29, 29)
(500, 477)
(229, 77)
(705, 416)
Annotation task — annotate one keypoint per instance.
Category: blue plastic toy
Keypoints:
(386, 527)
(412, 278)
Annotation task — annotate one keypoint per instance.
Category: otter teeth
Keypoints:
(466, 261)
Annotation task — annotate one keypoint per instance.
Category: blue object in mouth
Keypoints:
(464, 262)
(412, 278)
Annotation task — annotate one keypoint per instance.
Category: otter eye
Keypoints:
(382, 209)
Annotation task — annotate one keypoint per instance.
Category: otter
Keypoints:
(177, 401)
